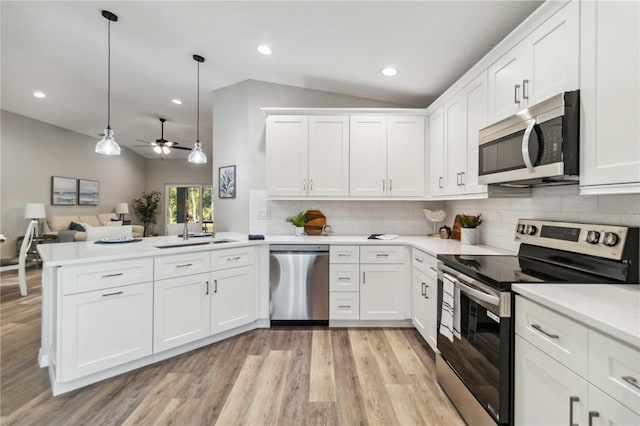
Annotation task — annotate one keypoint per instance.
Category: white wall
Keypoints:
(549, 203)
(239, 138)
(33, 151)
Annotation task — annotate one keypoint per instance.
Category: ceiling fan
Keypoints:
(162, 146)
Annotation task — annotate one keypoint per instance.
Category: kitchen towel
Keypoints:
(448, 307)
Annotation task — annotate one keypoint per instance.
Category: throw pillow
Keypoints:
(126, 222)
(77, 227)
(115, 223)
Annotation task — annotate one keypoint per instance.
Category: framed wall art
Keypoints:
(227, 182)
(64, 191)
(88, 192)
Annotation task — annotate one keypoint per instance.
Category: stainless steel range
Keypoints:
(476, 319)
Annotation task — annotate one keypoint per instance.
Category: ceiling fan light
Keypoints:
(165, 150)
(197, 156)
(107, 145)
(157, 149)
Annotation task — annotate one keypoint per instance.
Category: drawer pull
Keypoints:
(112, 275)
(344, 254)
(184, 265)
(631, 380)
(344, 306)
(572, 399)
(423, 290)
(433, 269)
(215, 286)
(592, 414)
(418, 260)
(426, 287)
(382, 255)
(207, 292)
(112, 294)
(537, 327)
(344, 278)
(229, 259)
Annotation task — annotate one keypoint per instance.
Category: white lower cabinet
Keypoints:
(181, 310)
(604, 410)
(425, 296)
(382, 292)
(104, 328)
(344, 305)
(420, 307)
(233, 301)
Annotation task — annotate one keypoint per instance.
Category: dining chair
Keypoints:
(22, 260)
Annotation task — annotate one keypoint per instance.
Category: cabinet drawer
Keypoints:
(97, 276)
(344, 277)
(179, 265)
(344, 254)
(561, 338)
(424, 262)
(614, 367)
(232, 258)
(344, 305)
(382, 254)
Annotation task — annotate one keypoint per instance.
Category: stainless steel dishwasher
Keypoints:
(299, 284)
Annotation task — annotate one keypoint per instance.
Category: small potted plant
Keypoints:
(469, 228)
(298, 221)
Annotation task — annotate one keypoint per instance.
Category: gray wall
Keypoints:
(239, 138)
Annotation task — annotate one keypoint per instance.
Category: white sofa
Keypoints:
(55, 224)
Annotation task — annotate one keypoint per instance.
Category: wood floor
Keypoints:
(263, 377)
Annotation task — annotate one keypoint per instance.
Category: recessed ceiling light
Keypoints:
(389, 71)
(264, 49)
(39, 94)
(176, 101)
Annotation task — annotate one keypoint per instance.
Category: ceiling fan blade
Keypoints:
(142, 140)
(143, 146)
(181, 147)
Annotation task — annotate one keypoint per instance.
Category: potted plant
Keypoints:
(146, 208)
(298, 221)
(469, 229)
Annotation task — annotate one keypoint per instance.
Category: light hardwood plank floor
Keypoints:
(280, 376)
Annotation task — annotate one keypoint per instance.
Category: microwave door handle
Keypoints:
(473, 293)
(525, 144)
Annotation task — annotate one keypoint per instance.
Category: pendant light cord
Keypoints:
(109, 75)
(198, 109)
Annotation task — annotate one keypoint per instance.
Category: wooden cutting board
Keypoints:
(315, 222)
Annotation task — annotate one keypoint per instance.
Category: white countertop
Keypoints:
(59, 254)
(612, 309)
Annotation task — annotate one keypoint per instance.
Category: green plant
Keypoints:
(297, 220)
(470, 221)
(146, 208)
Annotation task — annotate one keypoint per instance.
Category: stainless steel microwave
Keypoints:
(538, 145)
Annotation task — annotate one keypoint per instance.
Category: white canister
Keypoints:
(469, 236)
(299, 231)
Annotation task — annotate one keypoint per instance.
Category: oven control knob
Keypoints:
(593, 237)
(520, 229)
(610, 239)
(530, 230)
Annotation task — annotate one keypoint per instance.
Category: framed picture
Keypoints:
(227, 182)
(88, 192)
(64, 191)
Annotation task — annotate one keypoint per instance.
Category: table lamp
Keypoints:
(35, 211)
(122, 209)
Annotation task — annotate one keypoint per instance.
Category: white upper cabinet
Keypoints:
(544, 64)
(455, 146)
(405, 156)
(610, 80)
(368, 162)
(287, 154)
(474, 114)
(307, 155)
(436, 152)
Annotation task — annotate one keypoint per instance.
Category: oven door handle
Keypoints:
(525, 144)
(480, 295)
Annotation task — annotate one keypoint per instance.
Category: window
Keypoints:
(192, 201)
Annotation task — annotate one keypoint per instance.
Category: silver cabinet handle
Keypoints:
(423, 289)
(433, 269)
(112, 294)
(382, 254)
(525, 144)
(516, 89)
(537, 327)
(112, 275)
(592, 414)
(343, 278)
(426, 287)
(631, 380)
(311, 185)
(364, 277)
(440, 182)
(215, 286)
(184, 265)
(458, 178)
(344, 306)
(525, 95)
(304, 184)
(344, 255)
(229, 259)
(207, 292)
(418, 259)
(390, 185)
(572, 399)
(462, 175)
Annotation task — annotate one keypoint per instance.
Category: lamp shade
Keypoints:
(122, 208)
(34, 211)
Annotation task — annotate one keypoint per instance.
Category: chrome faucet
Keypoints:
(185, 232)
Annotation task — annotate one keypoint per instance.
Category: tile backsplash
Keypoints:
(560, 203)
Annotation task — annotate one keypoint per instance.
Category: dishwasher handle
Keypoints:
(299, 248)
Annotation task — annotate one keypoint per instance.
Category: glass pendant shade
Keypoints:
(107, 145)
(197, 156)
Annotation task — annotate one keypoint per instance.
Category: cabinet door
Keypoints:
(505, 84)
(329, 155)
(287, 154)
(544, 389)
(456, 149)
(181, 310)
(610, 83)
(233, 301)
(436, 152)
(382, 292)
(553, 50)
(431, 318)
(604, 410)
(368, 156)
(104, 328)
(474, 113)
(405, 156)
(419, 301)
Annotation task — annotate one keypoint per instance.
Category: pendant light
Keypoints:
(196, 155)
(107, 145)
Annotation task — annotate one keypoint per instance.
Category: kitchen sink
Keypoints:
(193, 243)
